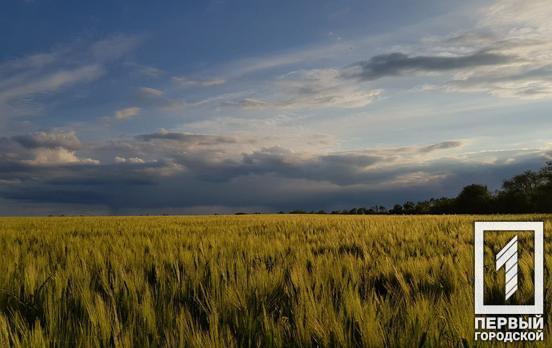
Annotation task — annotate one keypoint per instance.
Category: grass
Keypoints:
(244, 281)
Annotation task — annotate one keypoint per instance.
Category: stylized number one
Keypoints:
(508, 258)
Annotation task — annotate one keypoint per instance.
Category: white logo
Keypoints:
(507, 258)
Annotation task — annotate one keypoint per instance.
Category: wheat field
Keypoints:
(242, 281)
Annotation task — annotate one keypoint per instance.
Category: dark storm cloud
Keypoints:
(66, 140)
(268, 192)
(395, 64)
(106, 175)
(338, 169)
(441, 146)
(198, 139)
(17, 171)
(185, 175)
(48, 195)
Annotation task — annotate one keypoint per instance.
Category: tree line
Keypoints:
(529, 192)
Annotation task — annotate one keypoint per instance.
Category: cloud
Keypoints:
(151, 92)
(30, 81)
(42, 148)
(520, 30)
(114, 47)
(310, 89)
(191, 139)
(441, 146)
(341, 168)
(126, 113)
(395, 64)
(338, 169)
(187, 82)
(56, 156)
(67, 140)
(322, 88)
(32, 61)
(150, 71)
(179, 171)
(276, 61)
(152, 97)
(250, 104)
(133, 160)
(24, 85)
(219, 158)
(521, 83)
(507, 54)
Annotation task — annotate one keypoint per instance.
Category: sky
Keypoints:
(188, 107)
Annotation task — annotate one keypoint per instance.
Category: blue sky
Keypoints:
(220, 106)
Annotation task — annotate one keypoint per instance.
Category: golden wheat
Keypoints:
(247, 281)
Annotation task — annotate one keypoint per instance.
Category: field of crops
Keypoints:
(253, 281)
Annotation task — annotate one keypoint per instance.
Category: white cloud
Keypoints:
(323, 88)
(114, 47)
(519, 29)
(57, 156)
(43, 148)
(187, 82)
(132, 160)
(156, 98)
(32, 61)
(147, 91)
(27, 78)
(414, 178)
(127, 113)
(307, 89)
(22, 86)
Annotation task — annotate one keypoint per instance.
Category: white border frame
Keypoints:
(537, 228)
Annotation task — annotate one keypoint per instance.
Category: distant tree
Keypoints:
(397, 209)
(442, 205)
(408, 207)
(543, 195)
(474, 199)
(519, 193)
(423, 207)
(526, 183)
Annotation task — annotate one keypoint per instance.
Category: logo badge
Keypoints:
(507, 259)
(510, 321)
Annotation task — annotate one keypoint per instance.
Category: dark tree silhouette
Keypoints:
(474, 199)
